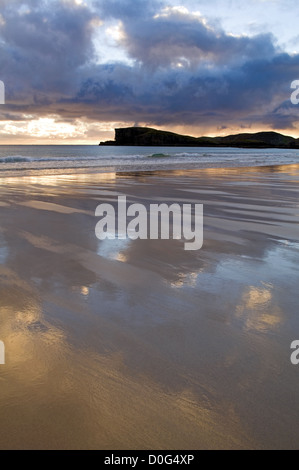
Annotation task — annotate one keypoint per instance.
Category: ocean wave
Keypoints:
(42, 159)
(27, 159)
(187, 156)
(16, 159)
(160, 155)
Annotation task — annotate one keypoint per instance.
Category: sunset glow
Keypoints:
(76, 68)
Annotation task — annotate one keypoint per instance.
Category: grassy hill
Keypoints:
(146, 136)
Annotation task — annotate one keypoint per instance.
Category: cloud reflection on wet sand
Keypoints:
(139, 344)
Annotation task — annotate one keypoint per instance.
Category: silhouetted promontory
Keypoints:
(145, 136)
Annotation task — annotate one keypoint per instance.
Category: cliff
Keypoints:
(144, 136)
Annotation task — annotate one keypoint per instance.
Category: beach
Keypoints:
(139, 344)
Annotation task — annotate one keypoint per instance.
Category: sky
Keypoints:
(75, 69)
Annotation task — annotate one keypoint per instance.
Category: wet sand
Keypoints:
(140, 344)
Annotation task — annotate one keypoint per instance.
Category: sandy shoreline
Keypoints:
(140, 344)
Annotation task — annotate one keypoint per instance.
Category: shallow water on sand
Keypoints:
(139, 344)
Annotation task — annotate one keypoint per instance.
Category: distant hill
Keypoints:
(145, 136)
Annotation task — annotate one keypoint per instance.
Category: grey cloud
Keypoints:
(42, 49)
(163, 41)
(47, 64)
(128, 9)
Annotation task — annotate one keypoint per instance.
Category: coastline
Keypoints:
(149, 235)
(96, 169)
(92, 159)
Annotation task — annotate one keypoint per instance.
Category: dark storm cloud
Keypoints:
(43, 46)
(182, 71)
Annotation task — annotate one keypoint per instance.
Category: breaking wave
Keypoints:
(64, 157)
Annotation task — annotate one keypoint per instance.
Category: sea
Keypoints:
(93, 158)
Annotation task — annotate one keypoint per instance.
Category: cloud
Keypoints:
(128, 9)
(44, 44)
(175, 35)
(182, 71)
